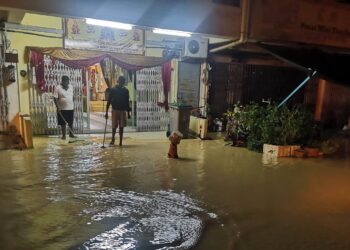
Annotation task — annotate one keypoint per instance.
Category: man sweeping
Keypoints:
(63, 97)
(119, 98)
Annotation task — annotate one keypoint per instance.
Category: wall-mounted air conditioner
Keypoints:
(195, 48)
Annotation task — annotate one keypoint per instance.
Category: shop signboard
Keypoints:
(324, 23)
(79, 35)
(154, 40)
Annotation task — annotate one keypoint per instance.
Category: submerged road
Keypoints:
(79, 196)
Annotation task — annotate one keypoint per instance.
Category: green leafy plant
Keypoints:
(270, 124)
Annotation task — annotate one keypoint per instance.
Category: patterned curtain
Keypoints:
(112, 65)
(79, 59)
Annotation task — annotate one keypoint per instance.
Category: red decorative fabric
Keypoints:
(37, 60)
(166, 77)
(84, 80)
(84, 58)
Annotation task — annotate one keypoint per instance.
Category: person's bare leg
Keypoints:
(63, 129)
(121, 130)
(114, 130)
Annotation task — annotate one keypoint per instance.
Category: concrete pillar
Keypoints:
(320, 99)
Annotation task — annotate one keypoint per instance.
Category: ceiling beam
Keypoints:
(15, 26)
(198, 16)
(15, 16)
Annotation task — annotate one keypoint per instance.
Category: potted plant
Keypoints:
(273, 130)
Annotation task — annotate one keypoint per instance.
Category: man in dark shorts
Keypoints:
(65, 106)
(119, 98)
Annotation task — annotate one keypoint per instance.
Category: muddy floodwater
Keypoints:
(79, 196)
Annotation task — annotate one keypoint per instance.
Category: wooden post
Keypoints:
(27, 132)
(320, 99)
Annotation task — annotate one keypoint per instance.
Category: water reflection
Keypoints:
(269, 160)
(159, 220)
(79, 196)
(125, 219)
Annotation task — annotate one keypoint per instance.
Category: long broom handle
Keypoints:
(104, 135)
(70, 130)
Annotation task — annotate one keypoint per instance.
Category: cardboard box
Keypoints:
(199, 126)
(279, 151)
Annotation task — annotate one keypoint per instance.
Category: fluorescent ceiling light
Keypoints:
(123, 26)
(172, 32)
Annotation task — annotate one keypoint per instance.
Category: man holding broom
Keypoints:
(63, 97)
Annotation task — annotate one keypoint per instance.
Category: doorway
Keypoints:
(95, 102)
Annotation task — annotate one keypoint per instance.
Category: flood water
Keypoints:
(79, 196)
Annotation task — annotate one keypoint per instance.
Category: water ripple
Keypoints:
(157, 220)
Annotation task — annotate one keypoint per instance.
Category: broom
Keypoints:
(49, 98)
(71, 140)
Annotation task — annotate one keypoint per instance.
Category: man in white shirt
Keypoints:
(65, 106)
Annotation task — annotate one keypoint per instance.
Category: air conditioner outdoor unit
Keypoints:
(195, 48)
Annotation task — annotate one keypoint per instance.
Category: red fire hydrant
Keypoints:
(174, 139)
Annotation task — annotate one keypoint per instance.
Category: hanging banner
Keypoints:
(79, 35)
(323, 23)
(164, 41)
